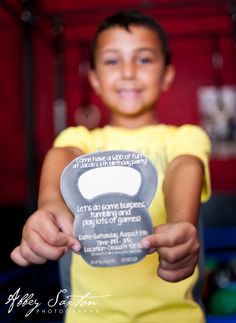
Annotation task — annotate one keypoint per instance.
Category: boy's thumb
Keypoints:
(65, 223)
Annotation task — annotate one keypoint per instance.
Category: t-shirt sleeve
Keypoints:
(75, 137)
(192, 140)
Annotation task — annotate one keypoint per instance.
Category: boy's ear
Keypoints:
(94, 81)
(168, 77)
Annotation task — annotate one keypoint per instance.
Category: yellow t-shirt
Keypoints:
(134, 293)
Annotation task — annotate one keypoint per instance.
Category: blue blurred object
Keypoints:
(219, 241)
(221, 319)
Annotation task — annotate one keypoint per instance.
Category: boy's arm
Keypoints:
(47, 234)
(177, 241)
(182, 189)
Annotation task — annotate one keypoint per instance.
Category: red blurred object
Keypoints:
(191, 27)
(223, 175)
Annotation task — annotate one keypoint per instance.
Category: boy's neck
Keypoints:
(133, 122)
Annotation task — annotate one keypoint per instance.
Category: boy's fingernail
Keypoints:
(75, 248)
(145, 244)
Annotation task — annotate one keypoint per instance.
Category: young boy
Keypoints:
(130, 67)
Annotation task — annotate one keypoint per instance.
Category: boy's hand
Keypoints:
(178, 246)
(47, 235)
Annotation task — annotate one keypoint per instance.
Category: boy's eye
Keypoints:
(144, 60)
(111, 61)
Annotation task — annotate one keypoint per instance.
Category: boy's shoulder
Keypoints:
(166, 129)
(78, 134)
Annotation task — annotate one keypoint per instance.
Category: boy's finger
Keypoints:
(149, 242)
(47, 228)
(167, 235)
(18, 259)
(65, 223)
(23, 256)
(74, 245)
(60, 239)
(30, 255)
(175, 275)
(189, 260)
(36, 247)
(179, 252)
(160, 240)
(51, 242)
(58, 233)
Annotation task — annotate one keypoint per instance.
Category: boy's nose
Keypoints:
(128, 71)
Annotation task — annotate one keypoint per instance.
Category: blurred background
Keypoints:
(44, 49)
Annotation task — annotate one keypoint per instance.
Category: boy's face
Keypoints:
(130, 71)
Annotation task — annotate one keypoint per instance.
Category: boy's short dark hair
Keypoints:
(125, 19)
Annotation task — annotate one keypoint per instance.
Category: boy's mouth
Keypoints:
(128, 93)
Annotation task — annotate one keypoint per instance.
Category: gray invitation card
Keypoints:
(109, 193)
